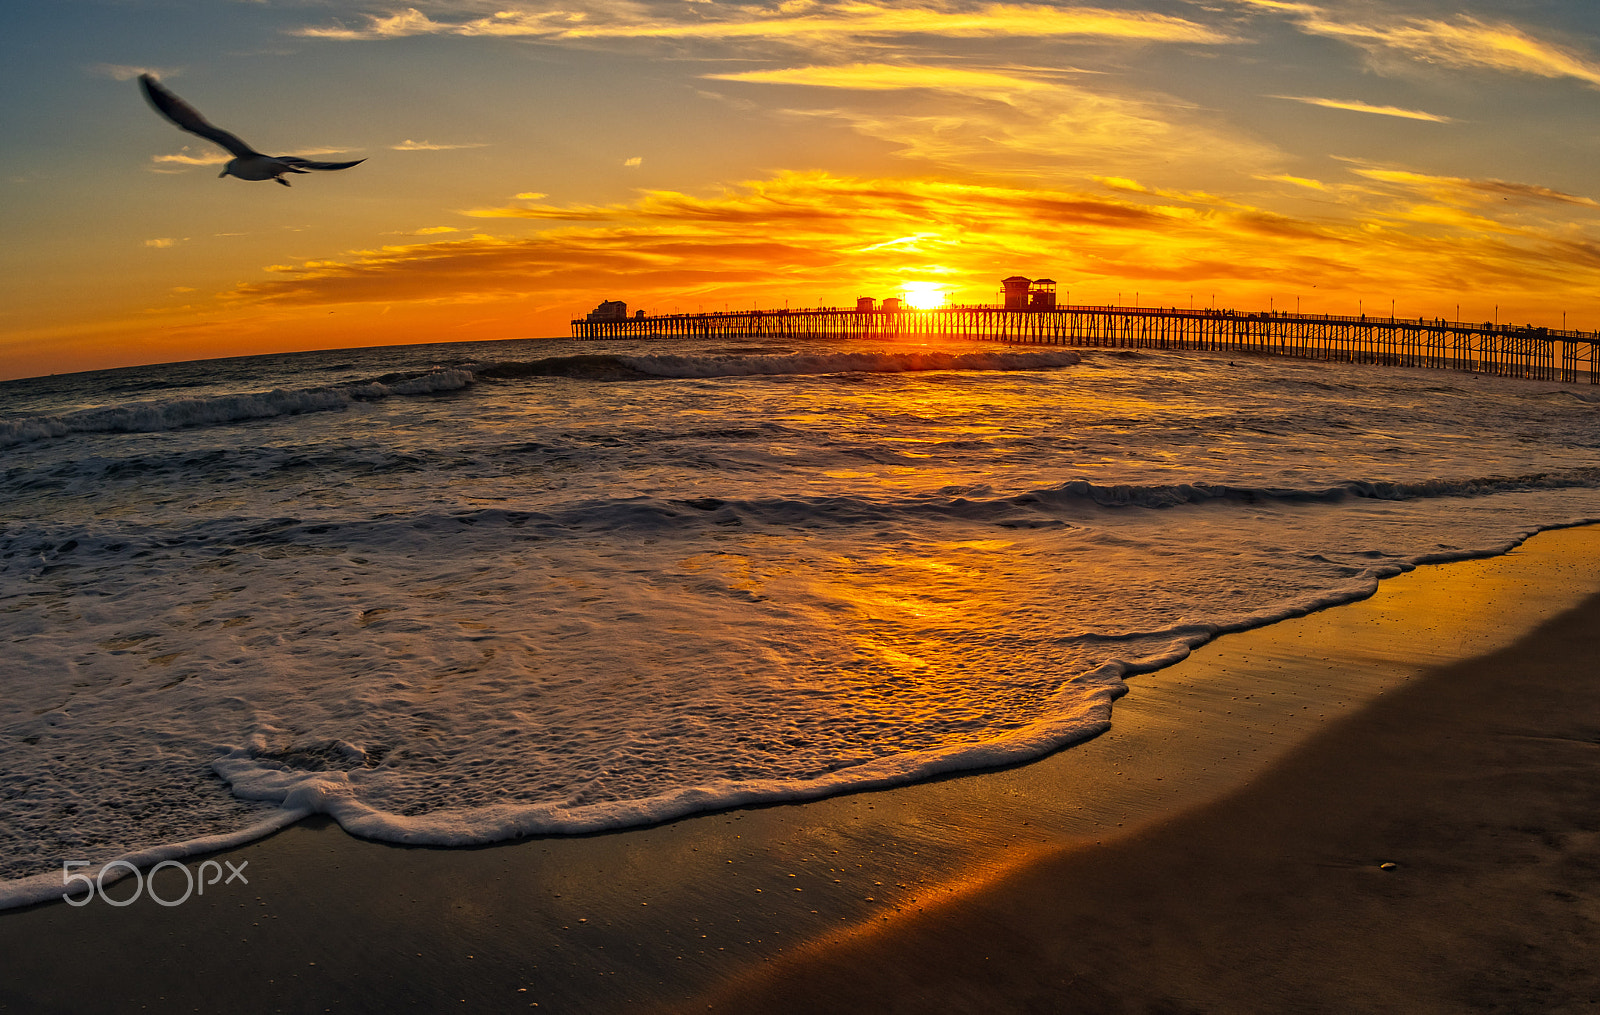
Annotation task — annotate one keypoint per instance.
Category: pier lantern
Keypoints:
(1042, 295)
(865, 304)
(1016, 290)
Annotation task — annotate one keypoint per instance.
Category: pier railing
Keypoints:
(1502, 349)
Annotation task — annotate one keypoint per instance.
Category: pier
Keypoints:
(1500, 349)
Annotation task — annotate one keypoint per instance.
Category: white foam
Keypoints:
(173, 414)
(51, 885)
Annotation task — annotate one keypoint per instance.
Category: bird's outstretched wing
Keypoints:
(185, 116)
(298, 163)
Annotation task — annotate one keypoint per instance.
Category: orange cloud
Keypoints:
(1464, 42)
(1454, 189)
(186, 157)
(888, 77)
(790, 21)
(803, 233)
(1297, 181)
(1363, 107)
(1045, 130)
(409, 145)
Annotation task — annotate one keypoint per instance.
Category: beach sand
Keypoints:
(1218, 850)
(1439, 851)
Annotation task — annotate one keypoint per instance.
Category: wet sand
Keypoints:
(1217, 850)
(1438, 851)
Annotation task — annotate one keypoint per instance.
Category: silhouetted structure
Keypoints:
(610, 310)
(865, 304)
(1042, 294)
(1016, 292)
(1507, 350)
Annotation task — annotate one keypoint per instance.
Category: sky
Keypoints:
(527, 160)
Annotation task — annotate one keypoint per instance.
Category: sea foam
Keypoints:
(153, 416)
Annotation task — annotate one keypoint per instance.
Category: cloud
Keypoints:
(162, 242)
(817, 232)
(1296, 181)
(187, 157)
(409, 145)
(1461, 190)
(1044, 132)
(790, 21)
(889, 77)
(1362, 107)
(1127, 186)
(1462, 42)
(127, 72)
(632, 163)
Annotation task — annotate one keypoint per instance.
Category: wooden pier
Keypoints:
(1505, 350)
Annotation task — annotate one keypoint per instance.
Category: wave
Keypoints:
(174, 414)
(604, 366)
(1030, 509)
(1069, 505)
(1176, 494)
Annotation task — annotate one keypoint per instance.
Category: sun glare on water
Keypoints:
(923, 295)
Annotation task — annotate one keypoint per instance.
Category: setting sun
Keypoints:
(923, 295)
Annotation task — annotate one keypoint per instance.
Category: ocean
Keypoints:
(458, 594)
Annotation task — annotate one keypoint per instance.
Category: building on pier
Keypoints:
(1028, 294)
(610, 310)
(1042, 294)
(1016, 292)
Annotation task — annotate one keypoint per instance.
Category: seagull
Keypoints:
(247, 163)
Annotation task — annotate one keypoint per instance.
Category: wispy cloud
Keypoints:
(1356, 106)
(1463, 42)
(789, 21)
(409, 145)
(1295, 181)
(1127, 186)
(127, 72)
(889, 77)
(185, 159)
(1462, 190)
(1047, 131)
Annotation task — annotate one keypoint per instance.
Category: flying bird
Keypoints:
(247, 163)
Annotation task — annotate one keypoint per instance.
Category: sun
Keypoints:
(923, 295)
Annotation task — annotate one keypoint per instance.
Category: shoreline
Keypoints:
(1018, 748)
(680, 911)
(1437, 851)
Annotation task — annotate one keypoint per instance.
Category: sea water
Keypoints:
(462, 593)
